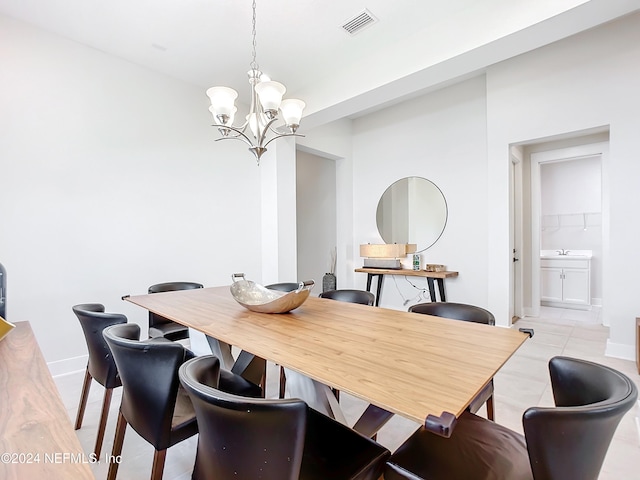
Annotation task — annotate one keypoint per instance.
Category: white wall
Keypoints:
(334, 141)
(578, 84)
(571, 209)
(110, 181)
(571, 187)
(440, 137)
(316, 216)
(459, 138)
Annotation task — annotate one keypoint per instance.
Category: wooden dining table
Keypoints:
(427, 369)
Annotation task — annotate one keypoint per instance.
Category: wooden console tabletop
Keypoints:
(38, 440)
(430, 276)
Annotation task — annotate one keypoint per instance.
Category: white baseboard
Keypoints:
(620, 350)
(68, 365)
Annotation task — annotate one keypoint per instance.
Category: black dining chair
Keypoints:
(568, 441)
(465, 313)
(271, 439)
(100, 365)
(349, 295)
(160, 326)
(283, 287)
(153, 402)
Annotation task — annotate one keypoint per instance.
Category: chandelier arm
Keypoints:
(263, 135)
(275, 132)
(239, 131)
(240, 135)
(282, 135)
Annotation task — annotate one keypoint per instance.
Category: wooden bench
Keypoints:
(37, 439)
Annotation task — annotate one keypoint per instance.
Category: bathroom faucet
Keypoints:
(562, 252)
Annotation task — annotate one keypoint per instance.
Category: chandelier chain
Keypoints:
(254, 64)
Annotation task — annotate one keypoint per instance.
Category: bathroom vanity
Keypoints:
(565, 278)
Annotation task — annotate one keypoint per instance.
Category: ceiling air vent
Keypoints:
(360, 21)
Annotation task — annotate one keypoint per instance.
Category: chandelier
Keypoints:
(258, 130)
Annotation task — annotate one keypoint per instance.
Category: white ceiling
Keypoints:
(416, 45)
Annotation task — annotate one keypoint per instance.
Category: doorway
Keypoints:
(530, 219)
(316, 216)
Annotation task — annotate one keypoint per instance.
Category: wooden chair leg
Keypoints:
(490, 409)
(86, 385)
(118, 440)
(158, 464)
(106, 402)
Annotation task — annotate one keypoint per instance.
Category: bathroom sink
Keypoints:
(567, 254)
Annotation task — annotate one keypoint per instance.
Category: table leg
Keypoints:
(440, 282)
(378, 287)
(432, 289)
(252, 368)
(372, 420)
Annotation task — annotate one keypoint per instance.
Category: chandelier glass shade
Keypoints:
(259, 126)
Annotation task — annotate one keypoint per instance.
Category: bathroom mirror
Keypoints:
(412, 210)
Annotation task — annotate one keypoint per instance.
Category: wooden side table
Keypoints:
(432, 278)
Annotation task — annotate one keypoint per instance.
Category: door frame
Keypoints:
(516, 283)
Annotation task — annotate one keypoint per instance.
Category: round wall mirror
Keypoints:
(412, 210)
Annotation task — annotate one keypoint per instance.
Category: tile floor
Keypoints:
(522, 382)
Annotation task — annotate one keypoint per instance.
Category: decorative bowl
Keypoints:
(257, 298)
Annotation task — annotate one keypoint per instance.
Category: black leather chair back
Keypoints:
(157, 323)
(568, 441)
(456, 311)
(241, 437)
(351, 296)
(93, 321)
(149, 374)
(572, 439)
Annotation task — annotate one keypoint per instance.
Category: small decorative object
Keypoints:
(416, 261)
(5, 327)
(329, 281)
(258, 298)
(432, 267)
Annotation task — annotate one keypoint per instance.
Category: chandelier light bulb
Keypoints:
(222, 100)
(291, 109)
(226, 120)
(270, 94)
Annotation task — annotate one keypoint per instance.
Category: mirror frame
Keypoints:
(421, 246)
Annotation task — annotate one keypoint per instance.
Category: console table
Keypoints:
(38, 440)
(432, 278)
